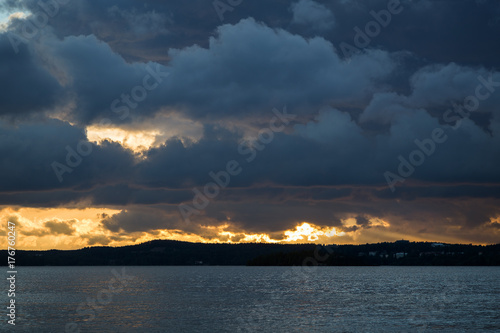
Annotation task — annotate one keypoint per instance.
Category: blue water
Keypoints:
(257, 299)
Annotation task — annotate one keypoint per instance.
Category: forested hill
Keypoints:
(167, 252)
(159, 252)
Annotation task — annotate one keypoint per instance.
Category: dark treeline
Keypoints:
(400, 253)
(166, 252)
(159, 252)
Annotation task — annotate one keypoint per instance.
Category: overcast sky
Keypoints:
(341, 121)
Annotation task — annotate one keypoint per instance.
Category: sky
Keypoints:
(341, 121)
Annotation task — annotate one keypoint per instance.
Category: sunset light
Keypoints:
(136, 141)
(250, 165)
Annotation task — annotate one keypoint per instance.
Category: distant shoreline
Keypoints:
(177, 253)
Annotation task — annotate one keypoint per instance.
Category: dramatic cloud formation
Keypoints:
(122, 122)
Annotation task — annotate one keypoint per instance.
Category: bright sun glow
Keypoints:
(308, 232)
(137, 141)
(74, 228)
(5, 18)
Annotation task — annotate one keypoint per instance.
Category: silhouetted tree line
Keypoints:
(159, 252)
(167, 252)
(399, 253)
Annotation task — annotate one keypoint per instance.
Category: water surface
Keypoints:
(259, 299)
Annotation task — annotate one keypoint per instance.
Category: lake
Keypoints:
(257, 299)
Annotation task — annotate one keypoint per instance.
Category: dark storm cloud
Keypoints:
(138, 31)
(466, 211)
(355, 116)
(30, 149)
(104, 195)
(459, 31)
(60, 227)
(123, 195)
(248, 66)
(362, 221)
(25, 85)
(101, 80)
(53, 227)
(245, 69)
(188, 164)
(438, 31)
(268, 217)
(141, 219)
(125, 25)
(315, 154)
(209, 80)
(98, 239)
(464, 219)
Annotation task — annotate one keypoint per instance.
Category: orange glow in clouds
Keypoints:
(65, 229)
(73, 228)
(136, 141)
